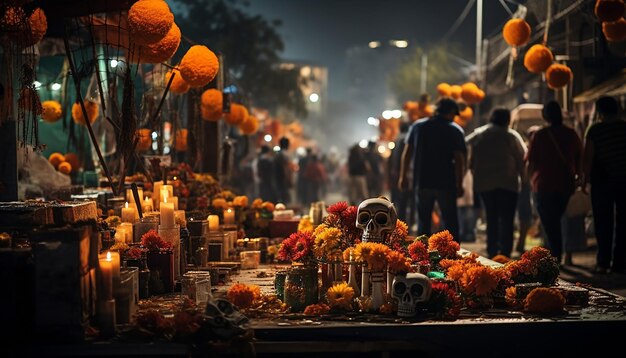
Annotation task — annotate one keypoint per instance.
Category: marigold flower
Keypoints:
(149, 21)
(340, 296)
(161, 50)
(418, 251)
(219, 203)
(544, 300)
(397, 263)
(238, 114)
(51, 111)
(374, 254)
(327, 241)
(479, 280)
(250, 125)
(317, 309)
(501, 259)
(199, 66)
(93, 111)
(242, 295)
(444, 243)
(538, 58)
(305, 224)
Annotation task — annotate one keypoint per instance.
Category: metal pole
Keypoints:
(424, 73)
(479, 37)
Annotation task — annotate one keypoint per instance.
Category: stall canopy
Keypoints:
(615, 87)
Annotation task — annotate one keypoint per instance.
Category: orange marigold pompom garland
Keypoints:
(444, 243)
(516, 32)
(65, 168)
(609, 10)
(340, 296)
(149, 21)
(614, 31)
(212, 102)
(418, 251)
(397, 263)
(237, 115)
(178, 86)
(181, 140)
(93, 111)
(538, 58)
(162, 50)
(455, 91)
(199, 66)
(558, 76)
(52, 111)
(72, 158)
(544, 300)
(55, 159)
(242, 295)
(249, 126)
(444, 90)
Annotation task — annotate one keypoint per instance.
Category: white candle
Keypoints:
(156, 191)
(147, 205)
(229, 217)
(173, 200)
(115, 264)
(129, 214)
(167, 215)
(131, 198)
(164, 194)
(106, 273)
(124, 232)
(214, 222)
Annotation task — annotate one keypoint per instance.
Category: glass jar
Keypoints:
(279, 284)
(301, 287)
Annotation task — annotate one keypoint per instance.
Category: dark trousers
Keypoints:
(447, 204)
(608, 203)
(500, 205)
(551, 207)
(403, 203)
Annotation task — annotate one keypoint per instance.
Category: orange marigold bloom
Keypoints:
(444, 243)
(65, 168)
(402, 229)
(199, 66)
(516, 32)
(317, 309)
(149, 21)
(418, 251)
(242, 295)
(340, 296)
(178, 86)
(237, 115)
(52, 111)
(398, 263)
(219, 203)
(55, 159)
(536, 253)
(544, 300)
(93, 111)
(538, 58)
(501, 259)
(161, 50)
(444, 89)
(249, 126)
(479, 280)
(558, 75)
(212, 101)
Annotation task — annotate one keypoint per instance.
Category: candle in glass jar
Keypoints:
(147, 205)
(214, 222)
(167, 214)
(106, 273)
(129, 214)
(229, 217)
(124, 233)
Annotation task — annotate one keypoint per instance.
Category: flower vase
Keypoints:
(328, 276)
(365, 281)
(301, 287)
(338, 272)
(377, 289)
(144, 275)
(161, 266)
(172, 236)
(352, 282)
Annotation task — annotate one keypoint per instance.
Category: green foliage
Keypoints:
(250, 45)
(443, 66)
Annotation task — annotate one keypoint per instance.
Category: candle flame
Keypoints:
(230, 210)
(146, 199)
(126, 205)
(165, 199)
(109, 256)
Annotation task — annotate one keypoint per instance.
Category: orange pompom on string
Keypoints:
(178, 86)
(149, 21)
(516, 32)
(444, 90)
(212, 102)
(538, 59)
(614, 31)
(249, 126)
(455, 91)
(93, 111)
(237, 115)
(55, 159)
(159, 51)
(558, 76)
(199, 66)
(51, 111)
(65, 168)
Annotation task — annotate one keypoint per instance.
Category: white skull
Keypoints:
(377, 218)
(410, 290)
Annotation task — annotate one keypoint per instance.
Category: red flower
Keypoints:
(418, 251)
(338, 208)
(153, 242)
(297, 247)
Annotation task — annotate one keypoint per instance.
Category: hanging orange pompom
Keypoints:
(55, 159)
(249, 126)
(145, 139)
(609, 10)
(614, 31)
(13, 20)
(93, 111)
(455, 91)
(199, 66)
(149, 21)
(72, 158)
(466, 114)
(538, 59)
(558, 76)
(181, 140)
(52, 111)
(65, 168)
(209, 115)
(237, 115)
(160, 51)
(460, 121)
(409, 106)
(212, 100)
(178, 86)
(516, 32)
(444, 89)
(470, 93)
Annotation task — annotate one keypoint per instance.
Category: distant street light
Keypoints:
(387, 114)
(363, 143)
(37, 84)
(399, 43)
(381, 149)
(314, 97)
(114, 63)
(55, 86)
(373, 121)
(391, 145)
(396, 113)
(374, 44)
(268, 138)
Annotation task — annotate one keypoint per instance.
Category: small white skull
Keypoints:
(376, 217)
(410, 290)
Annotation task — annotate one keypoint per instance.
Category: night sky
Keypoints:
(321, 31)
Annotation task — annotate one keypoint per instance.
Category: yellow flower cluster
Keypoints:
(374, 254)
(327, 242)
(340, 296)
(305, 224)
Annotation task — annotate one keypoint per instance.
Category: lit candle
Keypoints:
(129, 214)
(156, 192)
(147, 205)
(106, 273)
(167, 215)
(124, 233)
(164, 194)
(180, 217)
(130, 197)
(173, 200)
(214, 222)
(229, 217)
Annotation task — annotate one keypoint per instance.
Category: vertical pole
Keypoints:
(479, 37)
(424, 73)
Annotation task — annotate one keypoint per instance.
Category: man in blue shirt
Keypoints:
(436, 148)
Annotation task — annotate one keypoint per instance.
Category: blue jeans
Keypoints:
(447, 204)
(608, 203)
(500, 205)
(551, 207)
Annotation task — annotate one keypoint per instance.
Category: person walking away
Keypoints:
(605, 169)
(265, 172)
(316, 176)
(497, 162)
(303, 184)
(357, 172)
(400, 198)
(436, 148)
(554, 163)
(374, 176)
(282, 167)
